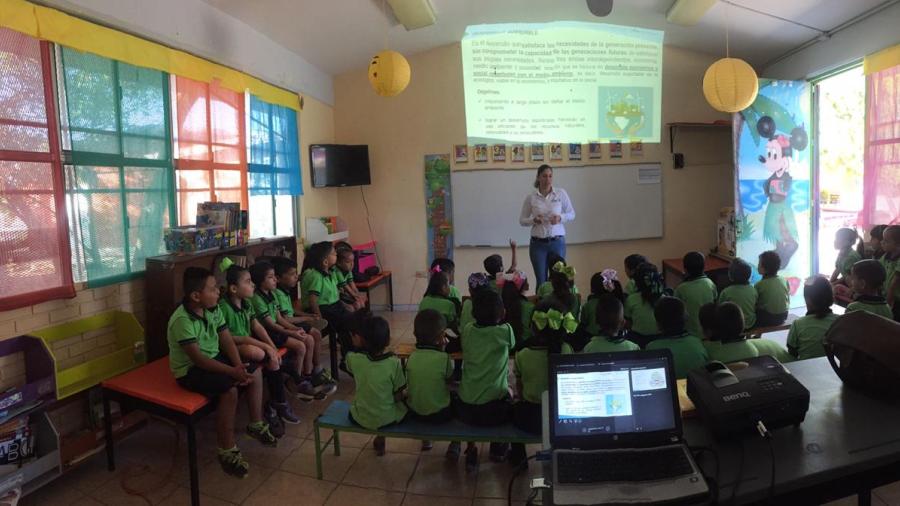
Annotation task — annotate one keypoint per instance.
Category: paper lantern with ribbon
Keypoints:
(389, 73)
(730, 85)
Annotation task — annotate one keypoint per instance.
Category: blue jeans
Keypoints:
(538, 251)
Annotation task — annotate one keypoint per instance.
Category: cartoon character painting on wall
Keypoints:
(780, 226)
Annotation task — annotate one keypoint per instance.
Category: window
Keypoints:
(119, 173)
(34, 248)
(274, 168)
(882, 175)
(210, 150)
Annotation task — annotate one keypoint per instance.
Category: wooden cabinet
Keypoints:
(164, 275)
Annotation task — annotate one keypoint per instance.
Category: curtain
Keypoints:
(274, 150)
(881, 187)
(34, 249)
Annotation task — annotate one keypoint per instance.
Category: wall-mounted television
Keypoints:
(339, 165)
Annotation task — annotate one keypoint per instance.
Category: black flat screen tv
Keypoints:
(339, 165)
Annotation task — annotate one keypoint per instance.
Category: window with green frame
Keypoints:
(119, 174)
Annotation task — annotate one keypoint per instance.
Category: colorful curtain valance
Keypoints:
(882, 60)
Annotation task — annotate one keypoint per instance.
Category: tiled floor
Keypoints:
(153, 469)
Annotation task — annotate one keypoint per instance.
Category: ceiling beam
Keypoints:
(688, 12)
(413, 14)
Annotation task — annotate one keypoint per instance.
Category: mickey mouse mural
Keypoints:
(780, 227)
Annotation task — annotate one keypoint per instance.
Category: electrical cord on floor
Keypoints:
(713, 483)
(521, 467)
(135, 470)
(764, 432)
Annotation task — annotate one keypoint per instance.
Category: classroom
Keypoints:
(449, 252)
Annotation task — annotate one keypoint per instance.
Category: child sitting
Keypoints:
(343, 278)
(378, 375)
(517, 307)
(874, 250)
(286, 278)
(484, 389)
(773, 293)
(891, 263)
(437, 297)
(844, 239)
(688, 351)
(447, 266)
(254, 343)
(310, 381)
(867, 282)
(546, 288)
(428, 370)
(696, 289)
(204, 359)
(724, 323)
(740, 292)
(609, 317)
(602, 283)
(477, 281)
(639, 305)
(562, 285)
(493, 266)
(805, 337)
(631, 264)
(319, 293)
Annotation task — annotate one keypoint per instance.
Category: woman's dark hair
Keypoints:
(609, 314)
(598, 290)
(694, 263)
(316, 254)
(487, 308)
(729, 322)
(819, 296)
(512, 302)
(739, 272)
(870, 271)
(548, 337)
(670, 316)
(562, 289)
(259, 271)
(633, 260)
(436, 284)
(540, 170)
(493, 265)
(648, 282)
(233, 274)
(770, 261)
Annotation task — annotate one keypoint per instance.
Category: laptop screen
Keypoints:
(612, 397)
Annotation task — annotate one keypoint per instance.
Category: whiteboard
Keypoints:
(612, 202)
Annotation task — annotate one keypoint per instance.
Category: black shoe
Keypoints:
(498, 452)
(472, 459)
(517, 455)
(378, 444)
(453, 451)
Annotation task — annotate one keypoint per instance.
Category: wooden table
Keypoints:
(716, 268)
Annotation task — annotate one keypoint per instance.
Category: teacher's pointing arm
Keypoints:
(567, 212)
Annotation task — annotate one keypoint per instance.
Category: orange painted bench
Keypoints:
(381, 277)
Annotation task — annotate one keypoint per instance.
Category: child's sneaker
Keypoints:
(323, 383)
(304, 391)
(275, 424)
(378, 444)
(427, 445)
(472, 459)
(453, 451)
(260, 432)
(285, 413)
(233, 462)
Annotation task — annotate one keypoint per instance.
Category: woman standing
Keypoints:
(545, 210)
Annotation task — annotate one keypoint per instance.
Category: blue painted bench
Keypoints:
(336, 417)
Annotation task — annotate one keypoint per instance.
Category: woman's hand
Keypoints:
(538, 220)
(555, 219)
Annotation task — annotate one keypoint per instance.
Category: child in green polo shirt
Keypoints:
(310, 380)
(254, 344)
(204, 359)
(446, 266)
(844, 239)
(867, 282)
(378, 375)
(343, 277)
(874, 249)
(493, 266)
(428, 371)
(319, 293)
(696, 289)
(891, 263)
(517, 307)
(484, 389)
(602, 284)
(687, 349)
(724, 324)
(287, 277)
(437, 297)
(609, 316)
(639, 305)
(740, 291)
(773, 293)
(807, 332)
(477, 281)
(632, 262)
(565, 277)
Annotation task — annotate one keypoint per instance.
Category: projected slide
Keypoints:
(566, 81)
(593, 394)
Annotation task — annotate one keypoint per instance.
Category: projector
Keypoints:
(731, 403)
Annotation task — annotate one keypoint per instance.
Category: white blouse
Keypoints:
(556, 202)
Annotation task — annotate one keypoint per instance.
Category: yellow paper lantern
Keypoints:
(389, 73)
(730, 85)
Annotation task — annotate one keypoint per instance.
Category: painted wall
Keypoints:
(866, 37)
(316, 126)
(429, 118)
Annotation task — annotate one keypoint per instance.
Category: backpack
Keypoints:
(864, 351)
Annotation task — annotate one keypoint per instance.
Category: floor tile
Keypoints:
(495, 502)
(890, 494)
(493, 480)
(215, 483)
(286, 488)
(435, 475)
(130, 490)
(302, 461)
(52, 493)
(345, 495)
(389, 472)
(257, 454)
(182, 496)
(425, 500)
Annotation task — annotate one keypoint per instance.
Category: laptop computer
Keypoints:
(615, 431)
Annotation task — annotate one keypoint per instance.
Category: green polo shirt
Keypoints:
(485, 363)
(588, 317)
(454, 294)
(629, 288)
(377, 380)
(891, 267)
(527, 313)
(640, 312)
(696, 293)
(265, 304)
(315, 282)
(745, 297)
(341, 278)
(603, 344)
(532, 366)
(185, 328)
(774, 295)
(844, 263)
(284, 302)
(874, 305)
(688, 352)
(734, 351)
(444, 305)
(772, 349)
(465, 316)
(806, 335)
(237, 318)
(427, 370)
(546, 289)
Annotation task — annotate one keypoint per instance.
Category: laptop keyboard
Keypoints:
(622, 465)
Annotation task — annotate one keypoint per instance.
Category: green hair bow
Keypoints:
(555, 319)
(225, 263)
(562, 268)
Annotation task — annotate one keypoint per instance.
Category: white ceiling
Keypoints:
(341, 35)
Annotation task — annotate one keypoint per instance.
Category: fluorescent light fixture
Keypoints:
(688, 12)
(413, 13)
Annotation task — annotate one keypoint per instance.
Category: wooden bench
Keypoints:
(381, 277)
(336, 417)
(153, 389)
(757, 332)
